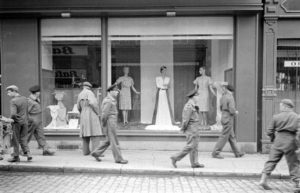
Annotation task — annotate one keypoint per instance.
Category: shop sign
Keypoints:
(70, 73)
(295, 63)
(66, 50)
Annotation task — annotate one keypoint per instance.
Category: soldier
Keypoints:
(282, 132)
(190, 126)
(227, 106)
(35, 120)
(109, 119)
(18, 112)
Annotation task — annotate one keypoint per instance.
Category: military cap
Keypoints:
(86, 83)
(13, 88)
(112, 87)
(191, 93)
(230, 88)
(288, 102)
(34, 89)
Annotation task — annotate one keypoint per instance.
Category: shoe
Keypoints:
(173, 162)
(265, 186)
(217, 156)
(239, 155)
(14, 159)
(48, 153)
(28, 155)
(122, 162)
(96, 157)
(263, 182)
(198, 166)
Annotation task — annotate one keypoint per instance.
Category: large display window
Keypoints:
(157, 61)
(71, 54)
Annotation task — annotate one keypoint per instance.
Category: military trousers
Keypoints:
(93, 141)
(227, 135)
(284, 145)
(35, 129)
(111, 140)
(20, 137)
(191, 148)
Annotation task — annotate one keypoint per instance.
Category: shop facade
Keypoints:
(281, 57)
(60, 45)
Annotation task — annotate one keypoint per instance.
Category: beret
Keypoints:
(35, 88)
(112, 87)
(86, 83)
(230, 88)
(191, 93)
(288, 102)
(12, 87)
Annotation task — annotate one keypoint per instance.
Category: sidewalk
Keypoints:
(145, 162)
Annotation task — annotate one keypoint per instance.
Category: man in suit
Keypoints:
(282, 131)
(227, 106)
(109, 119)
(18, 112)
(191, 127)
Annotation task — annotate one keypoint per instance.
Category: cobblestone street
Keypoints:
(23, 182)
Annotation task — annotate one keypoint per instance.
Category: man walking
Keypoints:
(190, 126)
(109, 122)
(35, 120)
(228, 110)
(18, 112)
(282, 131)
(90, 128)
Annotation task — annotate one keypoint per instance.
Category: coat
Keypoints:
(190, 119)
(89, 114)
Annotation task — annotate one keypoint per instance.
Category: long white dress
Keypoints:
(163, 119)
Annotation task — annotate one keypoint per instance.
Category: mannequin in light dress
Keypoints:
(203, 84)
(125, 101)
(163, 115)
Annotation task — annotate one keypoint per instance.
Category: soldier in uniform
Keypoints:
(35, 120)
(228, 110)
(18, 112)
(109, 119)
(282, 131)
(190, 126)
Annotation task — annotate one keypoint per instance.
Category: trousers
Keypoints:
(227, 135)
(94, 141)
(111, 139)
(191, 147)
(20, 137)
(284, 145)
(35, 128)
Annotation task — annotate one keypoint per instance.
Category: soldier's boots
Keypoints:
(122, 162)
(28, 155)
(263, 182)
(173, 161)
(47, 152)
(14, 159)
(198, 165)
(217, 156)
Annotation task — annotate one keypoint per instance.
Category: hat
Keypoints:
(112, 87)
(230, 88)
(86, 83)
(288, 102)
(13, 88)
(191, 93)
(34, 89)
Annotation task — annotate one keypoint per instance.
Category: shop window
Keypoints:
(71, 54)
(288, 74)
(140, 47)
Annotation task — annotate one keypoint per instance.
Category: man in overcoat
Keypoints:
(227, 106)
(191, 127)
(282, 131)
(109, 117)
(90, 127)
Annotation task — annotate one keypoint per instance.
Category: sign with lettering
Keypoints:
(70, 73)
(69, 50)
(295, 63)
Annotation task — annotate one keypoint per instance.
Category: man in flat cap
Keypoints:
(282, 131)
(191, 127)
(90, 128)
(18, 112)
(109, 119)
(228, 110)
(35, 120)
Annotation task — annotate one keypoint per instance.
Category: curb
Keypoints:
(131, 171)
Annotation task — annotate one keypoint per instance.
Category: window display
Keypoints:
(194, 53)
